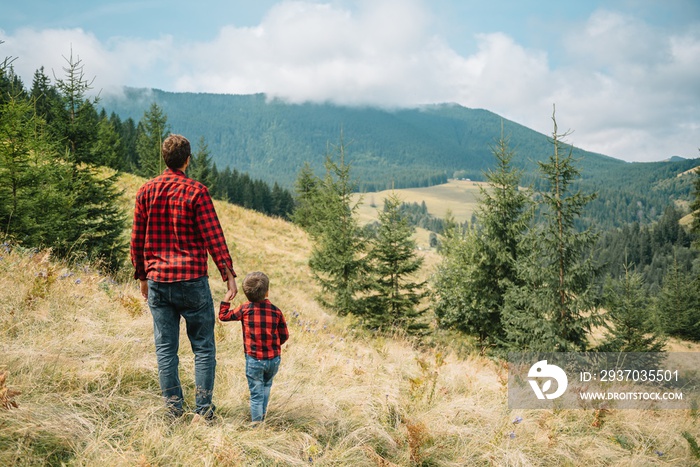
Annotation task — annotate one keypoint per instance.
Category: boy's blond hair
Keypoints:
(255, 286)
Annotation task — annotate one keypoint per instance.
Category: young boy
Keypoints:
(264, 332)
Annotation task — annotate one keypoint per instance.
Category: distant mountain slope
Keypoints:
(271, 140)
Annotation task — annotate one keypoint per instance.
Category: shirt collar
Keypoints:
(169, 171)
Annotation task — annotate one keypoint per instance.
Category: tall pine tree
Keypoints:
(393, 293)
(150, 134)
(553, 305)
(337, 258)
(77, 120)
(47, 101)
(478, 265)
(200, 167)
(306, 187)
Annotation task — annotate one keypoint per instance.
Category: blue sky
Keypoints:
(624, 75)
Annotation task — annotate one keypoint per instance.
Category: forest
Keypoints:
(61, 158)
(557, 238)
(523, 275)
(400, 148)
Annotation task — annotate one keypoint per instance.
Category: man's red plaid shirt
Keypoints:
(175, 225)
(263, 325)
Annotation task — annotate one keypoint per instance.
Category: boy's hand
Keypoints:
(224, 308)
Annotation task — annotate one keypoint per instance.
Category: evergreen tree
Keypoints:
(127, 136)
(51, 203)
(150, 134)
(630, 321)
(478, 265)
(552, 307)
(678, 304)
(201, 165)
(100, 218)
(452, 283)
(337, 256)
(97, 220)
(393, 295)
(282, 202)
(47, 101)
(76, 120)
(307, 188)
(57, 198)
(11, 86)
(20, 172)
(108, 149)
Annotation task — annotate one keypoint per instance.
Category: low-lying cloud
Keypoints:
(626, 88)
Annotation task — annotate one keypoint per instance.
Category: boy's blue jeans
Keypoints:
(260, 374)
(192, 300)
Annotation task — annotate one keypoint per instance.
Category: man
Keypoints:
(175, 225)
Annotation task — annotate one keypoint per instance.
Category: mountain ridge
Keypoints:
(450, 136)
(402, 148)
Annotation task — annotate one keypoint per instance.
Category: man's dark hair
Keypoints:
(176, 150)
(255, 286)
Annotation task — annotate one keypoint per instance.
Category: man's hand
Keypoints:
(232, 287)
(144, 289)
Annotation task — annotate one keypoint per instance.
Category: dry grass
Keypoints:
(460, 197)
(79, 348)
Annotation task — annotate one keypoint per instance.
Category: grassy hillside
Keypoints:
(79, 348)
(460, 197)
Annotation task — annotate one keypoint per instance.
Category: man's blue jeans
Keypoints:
(193, 301)
(260, 374)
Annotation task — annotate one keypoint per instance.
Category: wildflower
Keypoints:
(78, 281)
(659, 453)
(517, 420)
(512, 435)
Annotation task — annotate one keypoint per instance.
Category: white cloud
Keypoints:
(631, 88)
(117, 63)
(627, 89)
(306, 51)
